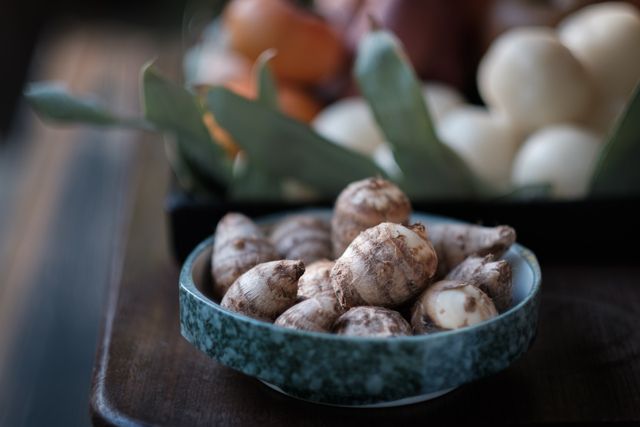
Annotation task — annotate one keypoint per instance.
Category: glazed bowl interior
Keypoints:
(355, 371)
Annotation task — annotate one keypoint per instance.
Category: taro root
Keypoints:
(313, 314)
(450, 304)
(455, 242)
(316, 280)
(386, 266)
(302, 237)
(493, 277)
(239, 245)
(265, 291)
(364, 204)
(377, 322)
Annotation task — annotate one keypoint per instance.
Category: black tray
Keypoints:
(589, 231)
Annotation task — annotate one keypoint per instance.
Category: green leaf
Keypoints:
(255, 186)
(287, 147)
(52, 102)
(173, 108)
(267, 87)
(187, 178)
(389, 84)
(617, 173)
(251, 181)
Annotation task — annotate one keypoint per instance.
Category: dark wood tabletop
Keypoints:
(584, 367)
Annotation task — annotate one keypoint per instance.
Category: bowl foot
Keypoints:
(400, 402)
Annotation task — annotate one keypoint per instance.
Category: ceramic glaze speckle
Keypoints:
(350, 371)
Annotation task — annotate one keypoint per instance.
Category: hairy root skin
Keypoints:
(385, 266)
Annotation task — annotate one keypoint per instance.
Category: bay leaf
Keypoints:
(286, 147)
(52, 102)
(388, 82)
(175, 109)
(617, 170)
(251, 181)
(253, 184)
(185, 174)
(267, 86)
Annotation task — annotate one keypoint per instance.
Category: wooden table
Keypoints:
(583, 368)
(65, 200)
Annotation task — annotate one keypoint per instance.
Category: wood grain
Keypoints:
(61, 230)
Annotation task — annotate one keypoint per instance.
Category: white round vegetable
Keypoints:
(604, 115)
(560, 155)
(349, 122)
(605, 38)
(441, 98)
(533, 78)
(483, 140)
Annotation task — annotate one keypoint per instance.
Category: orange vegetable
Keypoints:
(310, 51)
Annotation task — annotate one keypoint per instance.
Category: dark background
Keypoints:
(23, 21)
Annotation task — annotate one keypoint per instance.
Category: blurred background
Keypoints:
(61, 194)
(22, 23)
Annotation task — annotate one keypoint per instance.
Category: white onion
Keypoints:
(560, 155)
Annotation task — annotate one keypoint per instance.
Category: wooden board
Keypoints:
(66, 196)
(583, 368)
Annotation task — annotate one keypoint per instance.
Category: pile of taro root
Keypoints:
(367, 272)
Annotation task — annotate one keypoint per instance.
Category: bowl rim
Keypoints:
(188, 284)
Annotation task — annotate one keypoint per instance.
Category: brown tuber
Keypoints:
(316, 280)
(265, 291)
(455, 242)
(386, 266)
(304, 237)
(492, 277)
(367, 272)
(450, 304)
(372, 322)
(364, 204)
(238, 246)
(313, 314)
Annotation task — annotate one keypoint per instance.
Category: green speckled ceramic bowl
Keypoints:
(352, 371)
